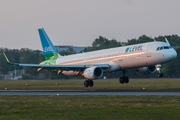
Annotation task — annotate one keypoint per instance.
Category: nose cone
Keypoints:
(174, 54)
(171, 54)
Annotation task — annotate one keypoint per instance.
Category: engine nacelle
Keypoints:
(93, 73)
(147, 70)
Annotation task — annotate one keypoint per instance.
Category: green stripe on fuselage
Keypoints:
(50, 59)
(51, 56)
(50, 62)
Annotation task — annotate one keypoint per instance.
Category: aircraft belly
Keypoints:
(70, 73)
(114, 66)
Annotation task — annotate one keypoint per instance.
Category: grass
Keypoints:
(90, 107)
(98, 84)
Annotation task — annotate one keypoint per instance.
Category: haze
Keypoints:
(80, 22)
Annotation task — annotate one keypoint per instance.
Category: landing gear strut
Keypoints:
(124, 79)
(89, 83)
(160, 74)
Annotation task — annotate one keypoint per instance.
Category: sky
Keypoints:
(80, 22)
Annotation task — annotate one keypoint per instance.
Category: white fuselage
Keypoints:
(121, 58)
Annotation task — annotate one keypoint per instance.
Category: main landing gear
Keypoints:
(160, 74)
(89, 83)
(124, 79)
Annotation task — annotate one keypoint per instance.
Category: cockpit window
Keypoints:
(166, 47)
(161, 48)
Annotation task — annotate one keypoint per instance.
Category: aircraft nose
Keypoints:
(172, 54)
(175, 54)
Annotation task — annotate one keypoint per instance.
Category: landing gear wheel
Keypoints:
(86, 83)
(121, 80)
(160, 75)
(126, 79)
(91, 83)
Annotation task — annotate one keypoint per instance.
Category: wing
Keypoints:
(57, 67)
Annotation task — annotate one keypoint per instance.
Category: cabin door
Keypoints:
(149, 50)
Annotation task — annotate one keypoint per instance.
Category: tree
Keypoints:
(69, 51)
(30, 57)
(13, 56)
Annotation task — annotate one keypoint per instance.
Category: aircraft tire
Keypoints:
(126, 79)
(121, 80)
(91, 83)
(86, 83)
(160, 75)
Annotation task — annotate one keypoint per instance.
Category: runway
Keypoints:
(60, 92)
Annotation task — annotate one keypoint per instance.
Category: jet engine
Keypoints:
(93, 73)
(147, 70)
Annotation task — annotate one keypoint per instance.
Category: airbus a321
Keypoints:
(146, 58)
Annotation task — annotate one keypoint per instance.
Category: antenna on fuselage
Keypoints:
(167, 40)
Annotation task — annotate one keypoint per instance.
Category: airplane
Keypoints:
(145, 57)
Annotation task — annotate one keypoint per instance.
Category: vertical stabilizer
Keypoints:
(48, 48)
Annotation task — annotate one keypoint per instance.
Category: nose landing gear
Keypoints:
(160, 74)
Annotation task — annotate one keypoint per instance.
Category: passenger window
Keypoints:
(166, 47)
(161, 48)
(157, 48)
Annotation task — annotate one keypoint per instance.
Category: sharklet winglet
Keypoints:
(7, 59)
